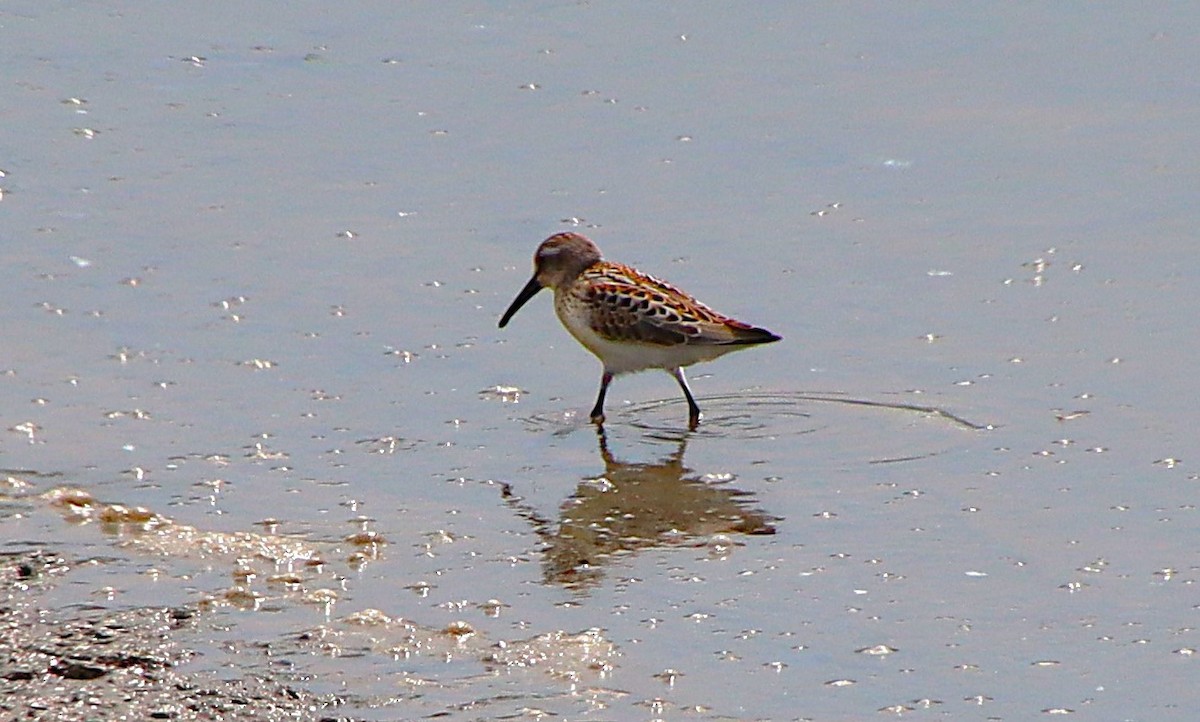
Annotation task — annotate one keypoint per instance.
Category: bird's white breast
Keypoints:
(619, 356)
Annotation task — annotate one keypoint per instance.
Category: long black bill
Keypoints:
(526, 293)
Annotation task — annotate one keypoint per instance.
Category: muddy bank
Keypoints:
(71, 653)
(99, 663)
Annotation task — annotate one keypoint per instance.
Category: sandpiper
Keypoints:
(629, 320)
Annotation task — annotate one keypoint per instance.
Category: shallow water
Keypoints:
(254, 271)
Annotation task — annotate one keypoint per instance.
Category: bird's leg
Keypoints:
(598, 409)
(693, 408)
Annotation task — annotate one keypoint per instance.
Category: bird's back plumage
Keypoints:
(629, 306)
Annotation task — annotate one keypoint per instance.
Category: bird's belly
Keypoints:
(620, 357)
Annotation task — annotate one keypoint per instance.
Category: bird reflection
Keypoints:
(638, 506)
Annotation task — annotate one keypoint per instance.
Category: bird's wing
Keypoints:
(628, 305)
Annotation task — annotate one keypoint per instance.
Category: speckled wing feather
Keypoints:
(628, 305)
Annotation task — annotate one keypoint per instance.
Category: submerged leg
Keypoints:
(693, 408)
(598, 409)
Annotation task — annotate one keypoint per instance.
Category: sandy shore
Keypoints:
(97, 663)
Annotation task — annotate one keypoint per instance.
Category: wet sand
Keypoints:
(100, 663)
